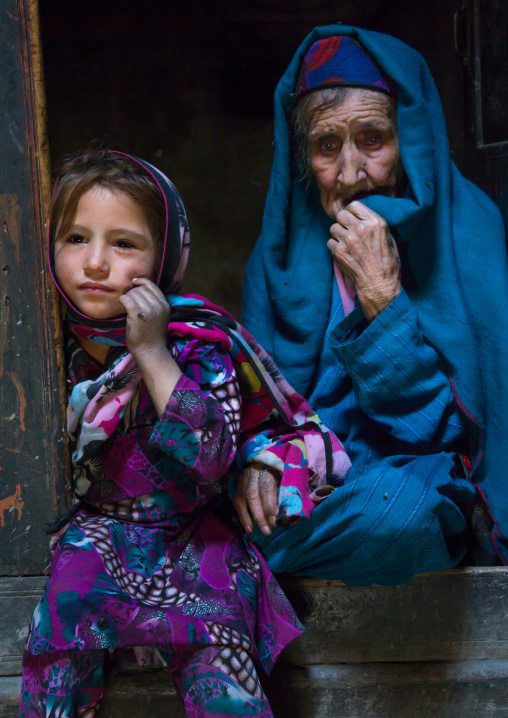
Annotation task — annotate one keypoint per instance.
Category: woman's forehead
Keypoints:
(358, 108)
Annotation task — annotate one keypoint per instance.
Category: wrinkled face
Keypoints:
(354, 149)
(108, 244)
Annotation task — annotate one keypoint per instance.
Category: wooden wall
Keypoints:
(32, 471)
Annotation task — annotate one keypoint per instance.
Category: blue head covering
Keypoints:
(339, 60)
(454, 247)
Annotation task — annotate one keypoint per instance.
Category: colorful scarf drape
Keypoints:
(278, 428)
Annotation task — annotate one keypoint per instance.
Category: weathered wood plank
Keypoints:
(452, 615)
(18, 598)
(145, 693)
(465, 689)
(9, 697)
(32, 454)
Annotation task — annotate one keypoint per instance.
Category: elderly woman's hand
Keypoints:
(256, 498)
(365, 251)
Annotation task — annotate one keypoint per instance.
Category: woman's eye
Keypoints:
(372, 140)
(76, 239)
(328, 146)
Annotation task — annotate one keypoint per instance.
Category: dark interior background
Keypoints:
(188, 85)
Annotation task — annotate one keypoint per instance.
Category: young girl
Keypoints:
(162, 393)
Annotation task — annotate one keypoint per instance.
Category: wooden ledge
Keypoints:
(454, 615)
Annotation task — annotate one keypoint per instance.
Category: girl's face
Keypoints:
(108, 244)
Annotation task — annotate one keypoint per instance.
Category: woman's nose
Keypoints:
(350, 169)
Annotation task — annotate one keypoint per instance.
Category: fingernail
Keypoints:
(248, 529)
(266, 530)
(271, 519)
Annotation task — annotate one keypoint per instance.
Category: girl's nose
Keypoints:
(96, 259)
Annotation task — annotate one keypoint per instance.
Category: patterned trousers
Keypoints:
(213, 681)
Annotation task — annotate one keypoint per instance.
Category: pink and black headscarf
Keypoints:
(171, 273)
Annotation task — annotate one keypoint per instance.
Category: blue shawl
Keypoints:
(452, 240)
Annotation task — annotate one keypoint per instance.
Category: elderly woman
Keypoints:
(372, 286)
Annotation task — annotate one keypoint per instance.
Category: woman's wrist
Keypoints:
(375, 299)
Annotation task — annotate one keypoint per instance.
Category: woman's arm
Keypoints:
(399, 380)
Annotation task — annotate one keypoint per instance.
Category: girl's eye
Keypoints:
(76, 239)
(124, 244)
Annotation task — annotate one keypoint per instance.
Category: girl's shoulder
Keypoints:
(202, 360)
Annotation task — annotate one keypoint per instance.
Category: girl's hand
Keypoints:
(365, 251)
(147, 323)
(147, 317)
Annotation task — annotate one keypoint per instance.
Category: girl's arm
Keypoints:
(197, 399)
(147, 321)
(200, 424)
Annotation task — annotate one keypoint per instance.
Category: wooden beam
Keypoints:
(32, 388)
(451, 615)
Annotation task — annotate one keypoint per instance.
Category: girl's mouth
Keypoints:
(95, 288)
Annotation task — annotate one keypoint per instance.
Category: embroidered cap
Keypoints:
(339, 60)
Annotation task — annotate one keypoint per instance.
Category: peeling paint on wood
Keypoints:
(10, 504)
(22, 399)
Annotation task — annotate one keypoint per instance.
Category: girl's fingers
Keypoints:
(150, 286)
(145, 299)
(134, 303)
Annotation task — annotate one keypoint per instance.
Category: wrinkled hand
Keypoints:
(365, 251)
(256, 498)
(146, 333)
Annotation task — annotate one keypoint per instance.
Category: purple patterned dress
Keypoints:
(154, 563)
(151, 558)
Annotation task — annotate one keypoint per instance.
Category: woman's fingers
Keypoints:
(256, 499)
(360, 211)
(269, 496)
(240, 501)
(362, 246)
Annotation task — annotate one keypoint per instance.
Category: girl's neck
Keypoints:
(98, 352)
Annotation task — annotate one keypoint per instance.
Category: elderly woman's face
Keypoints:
(354, 149)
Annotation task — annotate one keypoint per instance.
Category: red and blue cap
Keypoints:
(339, 60)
